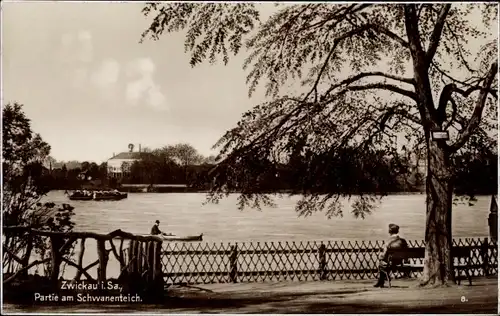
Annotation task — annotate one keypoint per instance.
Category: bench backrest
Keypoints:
(410, 253)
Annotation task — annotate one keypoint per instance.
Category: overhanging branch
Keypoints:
(391, 35)
(380, 86)
(356, 31)
(362, 75)
(469, 82)
(478, 110)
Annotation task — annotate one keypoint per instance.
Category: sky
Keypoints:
(90, 88)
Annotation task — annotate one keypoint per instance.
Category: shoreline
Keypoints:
(196, 191)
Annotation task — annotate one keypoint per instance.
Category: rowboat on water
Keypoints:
(110, 197)
(179, 238)
(183, 238)
(97, 195)
(81, 198)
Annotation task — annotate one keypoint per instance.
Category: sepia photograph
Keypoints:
(249, 157)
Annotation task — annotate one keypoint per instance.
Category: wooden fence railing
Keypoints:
(139, 257)
(198, 263)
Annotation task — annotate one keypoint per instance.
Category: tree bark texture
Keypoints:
(438, 262)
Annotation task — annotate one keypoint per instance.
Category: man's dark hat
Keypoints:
(393, 227)
(157, 222)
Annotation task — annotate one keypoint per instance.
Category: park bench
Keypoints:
(403, 256)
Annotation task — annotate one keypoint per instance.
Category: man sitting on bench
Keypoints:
(385, 264)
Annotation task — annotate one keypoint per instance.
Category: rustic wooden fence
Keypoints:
(139, 257)
(198, 263)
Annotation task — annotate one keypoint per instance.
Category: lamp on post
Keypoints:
(438, 134)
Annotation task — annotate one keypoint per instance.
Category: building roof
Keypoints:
(127, 155)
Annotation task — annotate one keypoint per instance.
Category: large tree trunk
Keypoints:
(438, 262)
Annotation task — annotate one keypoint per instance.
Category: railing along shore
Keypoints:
(153, 260)
(198, 263)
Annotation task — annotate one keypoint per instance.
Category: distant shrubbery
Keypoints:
(372, 172)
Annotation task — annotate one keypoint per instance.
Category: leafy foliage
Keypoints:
(23, 155)
(169, 164)
(25, 183)
(184, 153)
(319, 178)
(220, 27)
(336, 52)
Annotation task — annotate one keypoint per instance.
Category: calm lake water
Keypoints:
(185, 214)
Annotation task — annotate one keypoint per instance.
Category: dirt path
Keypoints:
(314, 297)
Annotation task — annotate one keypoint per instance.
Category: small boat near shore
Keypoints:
(183, 238)
(179, 238)
(110, 197)
(81, 198)
(85, 195)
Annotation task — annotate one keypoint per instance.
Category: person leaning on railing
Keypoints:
(385, 264)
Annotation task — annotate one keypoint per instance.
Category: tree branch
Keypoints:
(469, 82)
(437, 32)
(34, 263)
(459, 46)
(381, 86)
(408, 116)
(411, 24)
(344, 11)
(466, 93)
(391, 35)
(369, 74)
(13, 256)
(118, 257)
(323, 68)
(446, 96)
(351, 33)
(79, 268)
(478, 110)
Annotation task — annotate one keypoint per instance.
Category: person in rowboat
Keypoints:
(155, 230)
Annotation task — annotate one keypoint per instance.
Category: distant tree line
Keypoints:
(80, 175)
(371, 172)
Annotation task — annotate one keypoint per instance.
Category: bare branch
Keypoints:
(437, 32)
(478, 110)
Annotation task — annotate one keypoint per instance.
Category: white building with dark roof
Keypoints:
(120, 164)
